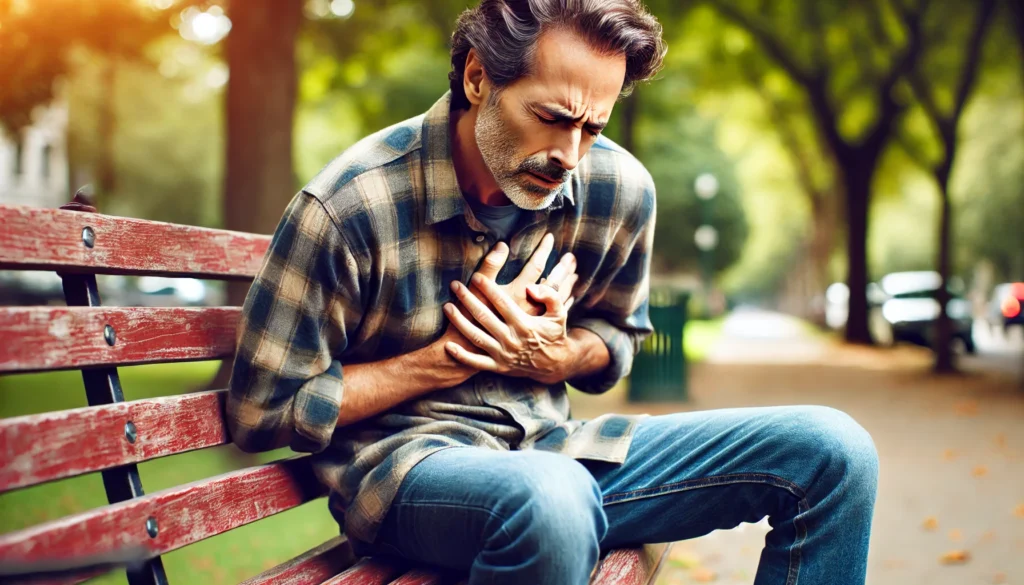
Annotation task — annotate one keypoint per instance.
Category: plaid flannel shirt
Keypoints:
(358, 271)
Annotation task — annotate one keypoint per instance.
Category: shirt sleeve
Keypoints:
(616, 305)
(287, 384)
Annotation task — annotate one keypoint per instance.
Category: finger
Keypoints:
(473, 360)
(494, 261)
(569, 303)
(481, 312)
(566, 266)
(474, 334)
(548, 297)
(535, 266)
(503, 303)
(567, 287)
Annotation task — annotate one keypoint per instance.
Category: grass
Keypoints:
(700, 337)
(230, 557)
(227, 558)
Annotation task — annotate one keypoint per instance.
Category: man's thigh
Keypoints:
(688, 474)
(459, 501)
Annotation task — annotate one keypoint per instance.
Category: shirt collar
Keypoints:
(444, 198)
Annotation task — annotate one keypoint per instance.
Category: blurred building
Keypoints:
(34, 161)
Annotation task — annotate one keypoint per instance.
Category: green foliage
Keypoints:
(36, 39)
(168, 137)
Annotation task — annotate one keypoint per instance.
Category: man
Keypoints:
(434, 398)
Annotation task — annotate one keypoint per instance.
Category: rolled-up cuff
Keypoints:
(316, 409)
(620, 352)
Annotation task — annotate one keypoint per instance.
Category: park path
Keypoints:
(951, 450)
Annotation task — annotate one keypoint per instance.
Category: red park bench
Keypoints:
(112, 436)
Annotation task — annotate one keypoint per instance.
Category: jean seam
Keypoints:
(713, 480)
(801, 535)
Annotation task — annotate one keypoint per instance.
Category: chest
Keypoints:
(410, 280)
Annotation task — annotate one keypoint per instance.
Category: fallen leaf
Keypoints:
(1019, 511)
(931, 523)
(702, 575)
(988, 536)
(966, 408)
(955, 557)
(980, 471)
(1001, 441)
(950, 454)
(955, 535)
(999, 578)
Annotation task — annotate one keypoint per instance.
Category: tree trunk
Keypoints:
(822, 240)
(260, 106)
(945, 360)
(858, 198)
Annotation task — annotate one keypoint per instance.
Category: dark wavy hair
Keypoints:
(505, 33)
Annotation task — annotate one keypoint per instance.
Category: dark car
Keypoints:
(911, 309)
(1006, 307)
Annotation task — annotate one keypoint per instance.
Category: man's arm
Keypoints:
(374, 387)
(590, 354)
(616, 310)
(288, 387)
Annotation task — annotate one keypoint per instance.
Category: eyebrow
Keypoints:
(563, 115)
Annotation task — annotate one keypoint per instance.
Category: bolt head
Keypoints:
(109, 334)
(130, 432)
(151, 527)
(88, 237)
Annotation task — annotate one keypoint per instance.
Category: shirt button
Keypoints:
(479, 238)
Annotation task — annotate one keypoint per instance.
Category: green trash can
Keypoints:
(659, 371)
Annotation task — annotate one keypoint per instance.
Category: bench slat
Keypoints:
(631, 566)
(51, 338)
(183, 515)
(312, 567)
(368, 571)
(418, 577)
(54, 445)
(51, 239)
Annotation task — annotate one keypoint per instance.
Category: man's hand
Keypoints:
(523, 345)
(562, 277)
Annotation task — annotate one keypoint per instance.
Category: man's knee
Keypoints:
(843, 449)
(552, 501)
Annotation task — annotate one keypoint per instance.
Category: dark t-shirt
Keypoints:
(500, 219)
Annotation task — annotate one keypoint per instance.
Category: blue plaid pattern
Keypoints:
(358, 271)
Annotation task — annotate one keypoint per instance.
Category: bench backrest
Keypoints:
(111, 435)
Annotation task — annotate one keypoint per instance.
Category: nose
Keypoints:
(567, 153)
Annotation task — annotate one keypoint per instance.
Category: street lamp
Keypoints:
(706, 236)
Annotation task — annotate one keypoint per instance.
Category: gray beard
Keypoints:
(498, 149)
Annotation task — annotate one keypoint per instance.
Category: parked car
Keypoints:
(1006, 307)
(911, 309)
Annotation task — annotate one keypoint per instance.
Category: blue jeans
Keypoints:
(535, 517)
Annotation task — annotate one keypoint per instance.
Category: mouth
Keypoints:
(543, 181)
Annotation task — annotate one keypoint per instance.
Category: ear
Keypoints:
(474, 79)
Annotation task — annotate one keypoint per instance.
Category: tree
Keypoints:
(928, 84)
(848, 59)
(259, 179)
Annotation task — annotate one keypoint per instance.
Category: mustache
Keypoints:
(549, 171)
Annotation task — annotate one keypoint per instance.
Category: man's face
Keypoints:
(532, 133)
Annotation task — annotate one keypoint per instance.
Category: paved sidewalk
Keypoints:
(951, 451)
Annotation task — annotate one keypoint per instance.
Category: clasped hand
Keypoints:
(514, 338)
